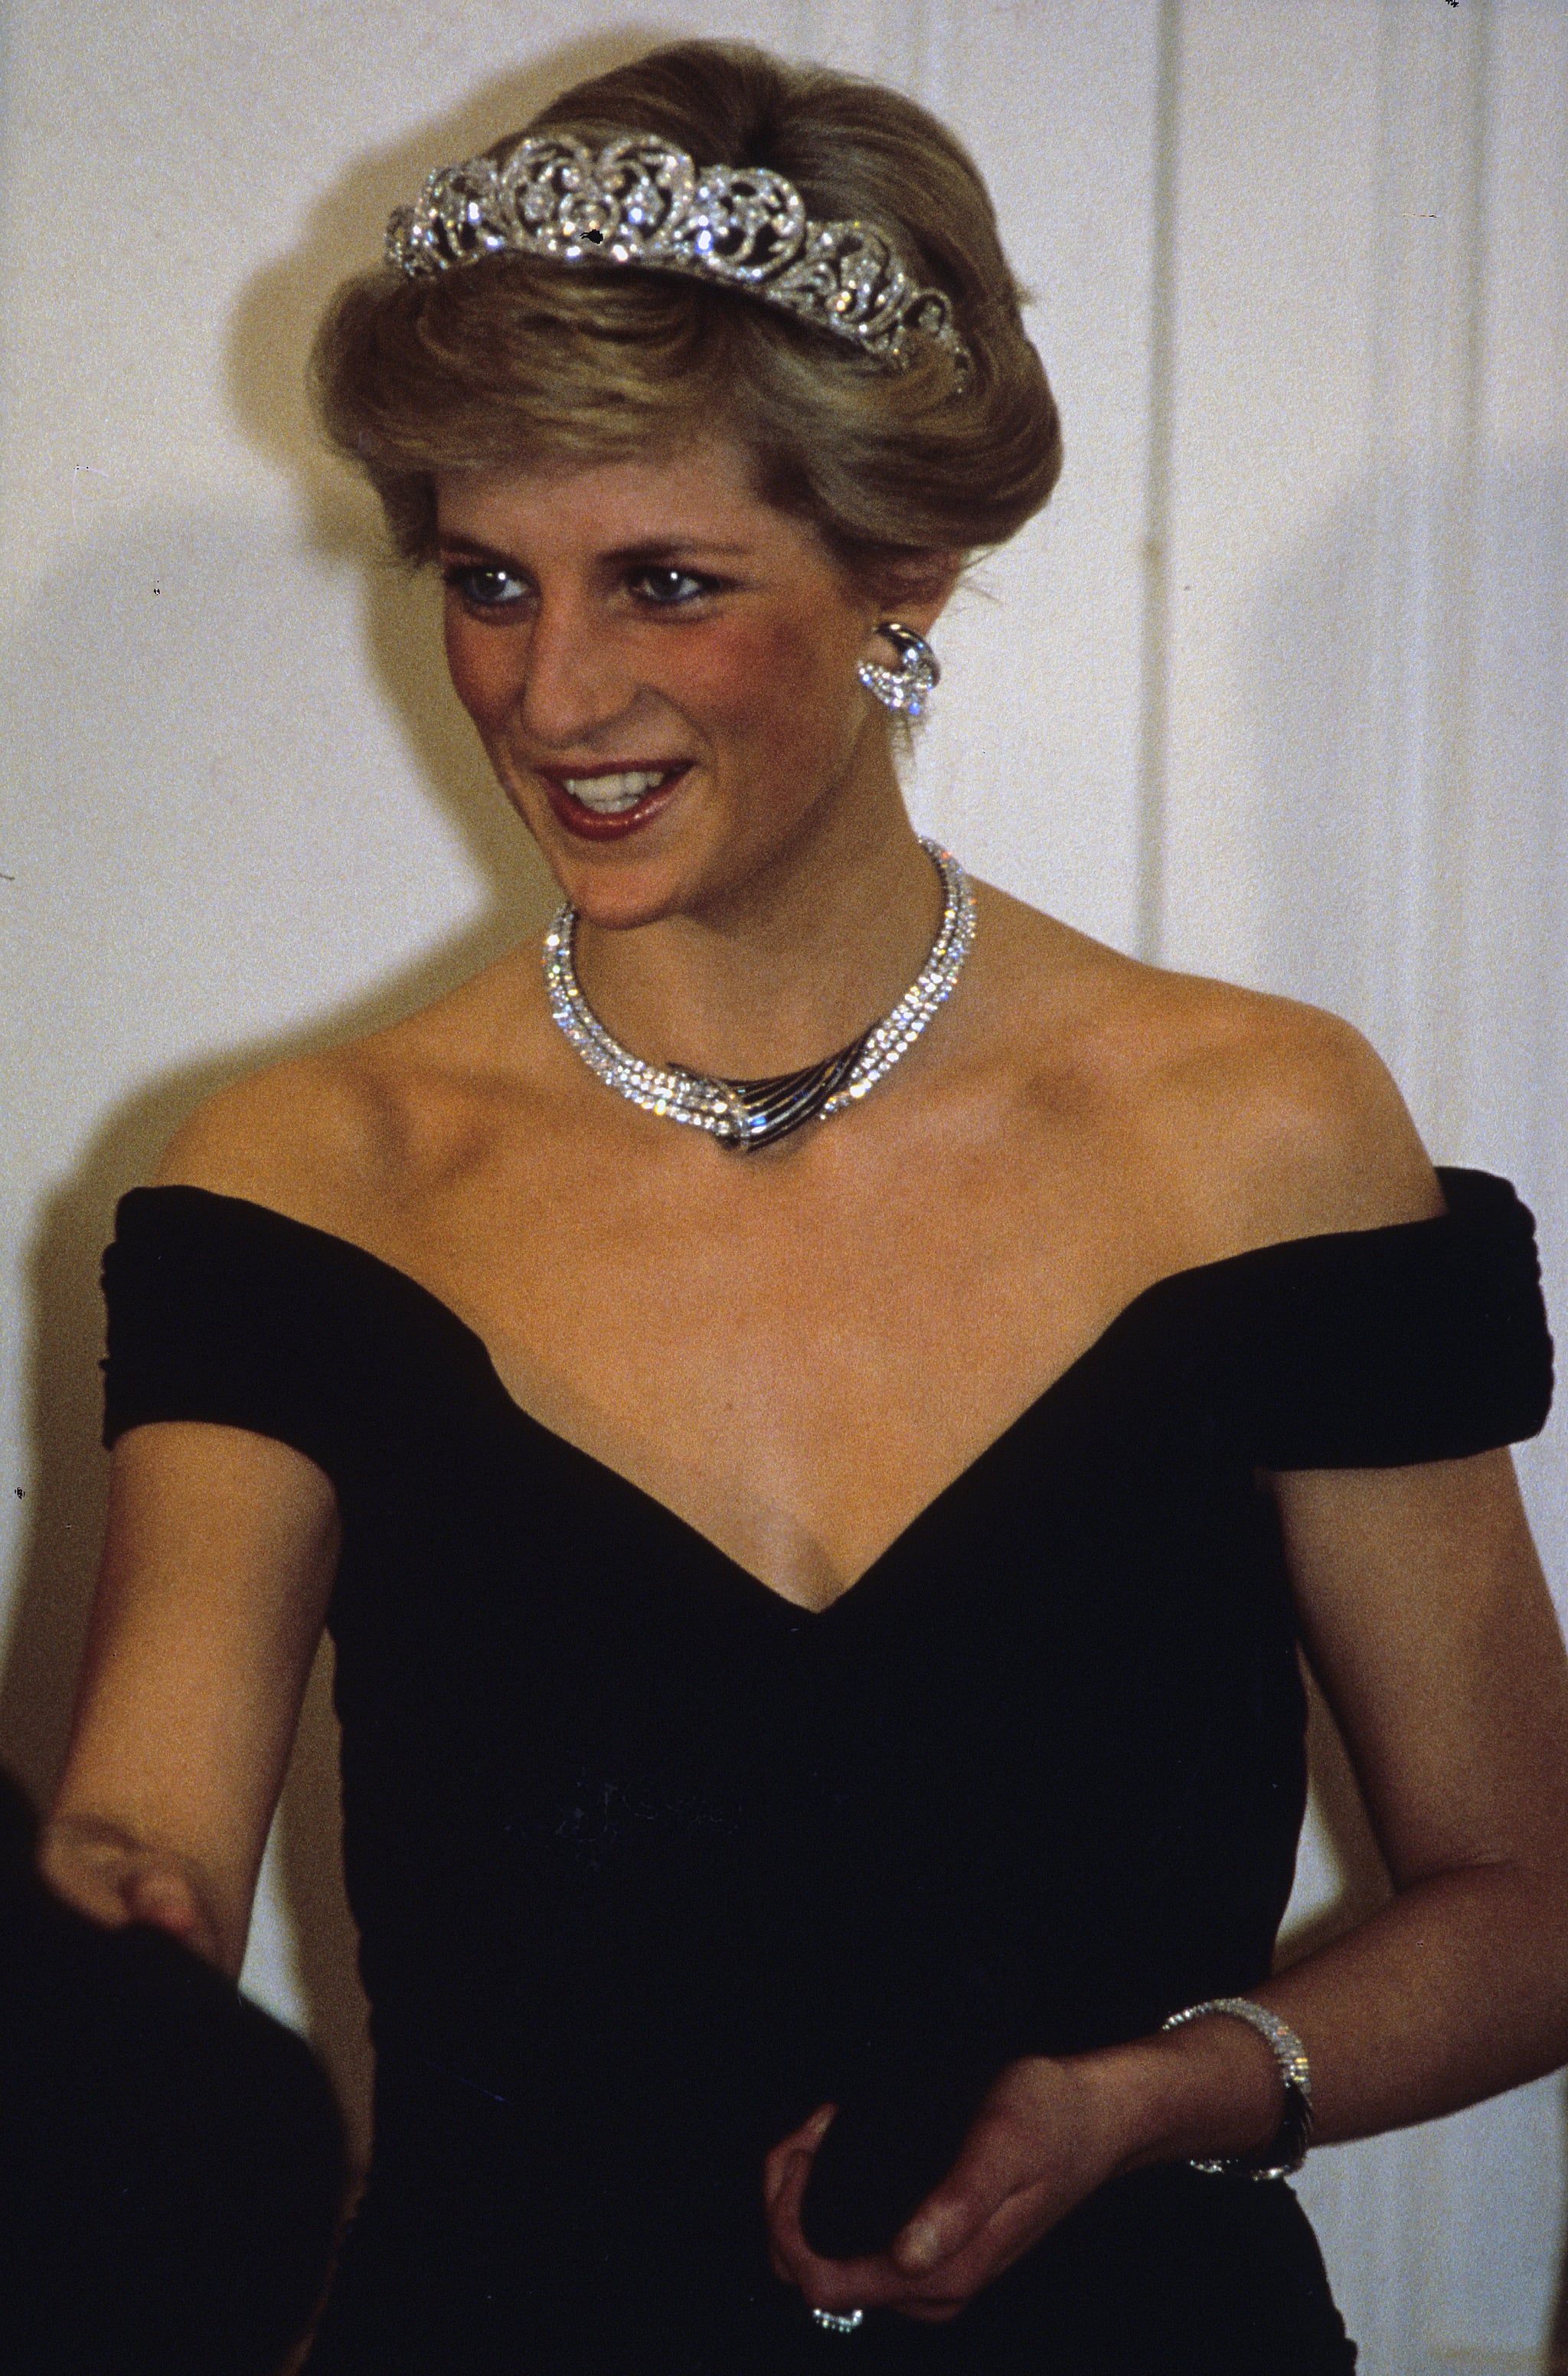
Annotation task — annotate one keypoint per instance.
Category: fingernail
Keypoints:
(922, 2244)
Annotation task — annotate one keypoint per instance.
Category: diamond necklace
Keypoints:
(741, 1114)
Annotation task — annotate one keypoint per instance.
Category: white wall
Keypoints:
(1277, 688)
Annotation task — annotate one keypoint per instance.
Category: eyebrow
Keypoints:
(656, 549)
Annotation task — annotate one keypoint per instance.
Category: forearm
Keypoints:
(1456, 1989)
(1453, 1993)
(216, 1568)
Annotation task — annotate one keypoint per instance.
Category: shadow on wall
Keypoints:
(162, 600)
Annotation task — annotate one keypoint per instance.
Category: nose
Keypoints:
(577, 681)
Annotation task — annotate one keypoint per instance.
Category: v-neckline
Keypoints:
(1130, 1312)
(668, 1516)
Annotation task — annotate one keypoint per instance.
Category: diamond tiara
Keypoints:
(638, 201)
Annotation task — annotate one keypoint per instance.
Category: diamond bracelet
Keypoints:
(1288, 2150)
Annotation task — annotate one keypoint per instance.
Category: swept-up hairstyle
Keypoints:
(517, 358)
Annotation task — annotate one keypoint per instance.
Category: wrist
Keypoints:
(1287, 2150)
(1209, 2090)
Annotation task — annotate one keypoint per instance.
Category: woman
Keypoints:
(818, 1415)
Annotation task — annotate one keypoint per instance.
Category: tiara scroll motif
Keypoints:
(640, 202)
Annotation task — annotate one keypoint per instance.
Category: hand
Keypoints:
(1043, 2140)
(117, 1881)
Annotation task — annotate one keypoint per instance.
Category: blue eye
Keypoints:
(484, 587)
(668, 589)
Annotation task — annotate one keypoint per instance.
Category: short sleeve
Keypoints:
(217, 1311)
(1381, 1348)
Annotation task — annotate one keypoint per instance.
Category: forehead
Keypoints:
(701, 495)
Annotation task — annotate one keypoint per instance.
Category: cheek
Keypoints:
(778, 685)
(481, 665)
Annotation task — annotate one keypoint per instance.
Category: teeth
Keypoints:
(607, 795)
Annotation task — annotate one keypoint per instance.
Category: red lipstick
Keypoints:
(596, 824)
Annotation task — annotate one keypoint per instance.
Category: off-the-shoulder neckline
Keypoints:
(1467, 1192)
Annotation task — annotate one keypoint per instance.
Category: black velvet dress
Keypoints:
(648, 1862)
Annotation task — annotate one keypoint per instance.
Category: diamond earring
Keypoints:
(907, 687)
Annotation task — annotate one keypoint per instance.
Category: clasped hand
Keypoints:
(1040, 2143)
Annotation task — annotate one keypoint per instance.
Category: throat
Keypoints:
(743, 1112)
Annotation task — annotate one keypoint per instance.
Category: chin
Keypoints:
(618, 899)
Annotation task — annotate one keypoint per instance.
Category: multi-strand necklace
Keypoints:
(741, 1114)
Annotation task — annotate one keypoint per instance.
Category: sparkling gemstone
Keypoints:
(732, 1114)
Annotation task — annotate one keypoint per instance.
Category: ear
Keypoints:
(916, 589)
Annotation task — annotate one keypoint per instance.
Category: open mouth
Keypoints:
(614, 795)
(613, 798)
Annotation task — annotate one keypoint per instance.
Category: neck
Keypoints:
(783, 971)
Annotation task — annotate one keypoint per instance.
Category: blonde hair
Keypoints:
(520, 358)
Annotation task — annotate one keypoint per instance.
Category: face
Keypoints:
(661, 668)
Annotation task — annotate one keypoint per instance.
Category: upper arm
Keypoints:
(1420, 1599)
(216, 1568)
(218, 1565)
(1429, 1624)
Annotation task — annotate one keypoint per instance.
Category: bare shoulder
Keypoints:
(1264, 1118)
(278, 1136)
(1286, 1121)
(318, 1136)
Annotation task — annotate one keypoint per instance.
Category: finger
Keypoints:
(869, 2282)
(794, 2170)
(947, 2222)
(876, 2284)
(786, 2174)
(934, 2295)
(1017, 2223)
(999, 2160)
(164, 1901)
(966, 2253)
(809, 2136)
(802, 2143)
(864, 2284)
